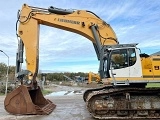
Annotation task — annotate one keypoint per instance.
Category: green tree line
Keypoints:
(3, 71)
(60, 76)
(49, 76)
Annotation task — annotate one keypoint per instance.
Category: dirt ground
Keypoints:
(69, 101)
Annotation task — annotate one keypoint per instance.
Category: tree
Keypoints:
(11, 73)
(3, 70)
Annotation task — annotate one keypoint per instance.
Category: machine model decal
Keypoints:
(68, 21)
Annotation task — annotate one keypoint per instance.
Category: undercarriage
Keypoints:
(123, 103)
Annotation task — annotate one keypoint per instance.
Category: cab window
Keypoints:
(122, 58)
(132, 56)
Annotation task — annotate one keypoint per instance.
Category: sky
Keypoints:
(134, 21)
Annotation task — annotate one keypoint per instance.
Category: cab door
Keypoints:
(119, 66)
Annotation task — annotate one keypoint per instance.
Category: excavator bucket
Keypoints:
(25, 101)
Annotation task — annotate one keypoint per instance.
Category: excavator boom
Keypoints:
(81, 22)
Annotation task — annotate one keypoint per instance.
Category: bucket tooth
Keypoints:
(24, 101)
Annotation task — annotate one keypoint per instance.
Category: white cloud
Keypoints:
(152, 43)
(8, 44)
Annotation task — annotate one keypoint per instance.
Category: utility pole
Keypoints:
(7, 71)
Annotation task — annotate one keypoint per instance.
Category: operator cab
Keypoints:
(121, 61)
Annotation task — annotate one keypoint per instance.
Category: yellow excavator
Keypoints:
(93, 77)
(125, 70)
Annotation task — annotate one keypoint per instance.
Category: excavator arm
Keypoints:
(81, 22)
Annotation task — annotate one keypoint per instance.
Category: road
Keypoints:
(70, 106)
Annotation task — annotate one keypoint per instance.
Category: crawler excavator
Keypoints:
(125, 70)
(93, 77)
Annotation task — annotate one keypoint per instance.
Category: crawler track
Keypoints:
(123, 103)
